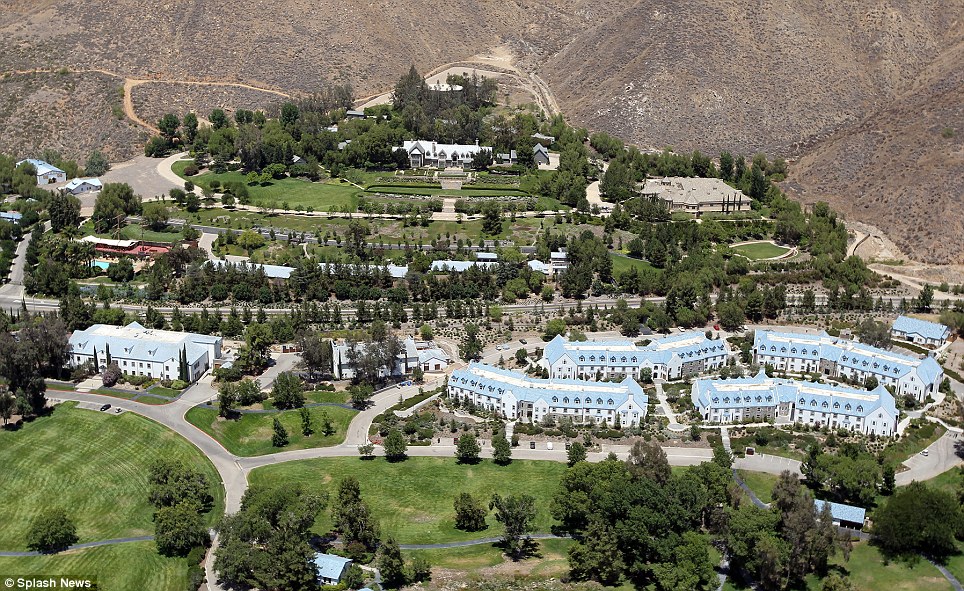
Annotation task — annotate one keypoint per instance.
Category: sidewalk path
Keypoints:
(83, 546)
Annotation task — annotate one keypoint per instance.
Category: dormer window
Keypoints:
(599, 401)
(836, 405)
(860, 409)
(802, 401)
(576, 401)
(716, 400)
(610, 402)
(847, 407)
(555, 399)
(565, 400)
(813, 403)
(825, 405)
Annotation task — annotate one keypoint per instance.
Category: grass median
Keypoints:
(250, 433)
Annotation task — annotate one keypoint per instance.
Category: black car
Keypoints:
(523, 341)
(105, 407)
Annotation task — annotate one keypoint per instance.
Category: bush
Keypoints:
(191, 170)
(178, 385)
(111, 374)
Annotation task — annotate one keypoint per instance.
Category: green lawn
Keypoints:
(93, 464)
(760, 483)
(137, 232)
(413, 499)
(623, 263)
(251, 434)
(122, 567)
(320, 195)
(760, 250)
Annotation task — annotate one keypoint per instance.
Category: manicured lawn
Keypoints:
(320, 195)
(413, 499)
(623, 263)
(122, 567)
(251, 434)
(760, 483)
(164, 391)
(138, 232)
(760, 250)
(93, 464)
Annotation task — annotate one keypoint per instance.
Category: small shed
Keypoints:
(843, 515)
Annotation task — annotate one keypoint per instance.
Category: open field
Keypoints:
(122, 567)
(760, 250)
(623, 263)
(466, 191)
(412, 510)
(322, 196)
(550, 560)
(93, 464)
(250, 435)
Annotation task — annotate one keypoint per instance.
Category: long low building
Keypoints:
(670, 358)
(143, 351)
(760, 398)
(518, 397)
(842, 358)
(696, 195)
(921, 332)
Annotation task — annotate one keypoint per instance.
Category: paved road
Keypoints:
(942, 456)
(145, 175)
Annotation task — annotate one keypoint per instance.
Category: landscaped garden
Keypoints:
(756, 251)
(413, 500)
(250, 434)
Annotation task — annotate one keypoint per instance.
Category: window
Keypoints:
(610, 402)
(555, 399)
(565, 400)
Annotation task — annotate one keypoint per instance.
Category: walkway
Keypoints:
(674, 425)
(83, 546)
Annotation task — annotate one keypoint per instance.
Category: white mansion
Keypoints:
(422, 153)
(760, 398)
(842, 358)
(143, 351)
(670, 358)
(518, 397)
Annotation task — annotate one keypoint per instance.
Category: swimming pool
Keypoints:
(104, 265)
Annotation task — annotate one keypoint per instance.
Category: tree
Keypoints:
(491, 218)
(114, 203)
(395, 446)
(470, 513)
(471, 346)
(873, 333)
(647, 459)
(837, 582)
(52, 531)
(554, 327)
(925, 298)
(888, 480)
(918, 519)
(521, 357)
(172, 482)
(576, 453)
(360, 395)
(366, 451)
(96, 165)
(391, 565)
(64, 211)
(690, 567)
(501, 450)
(731, 315)
(111, 375)
(155, 215)
(515, 513)
(288, 391)
(597, 556)
(354, 577)
(190, 127)
(168, 126)
(421, 570)
(306, 427)
(178, 529)
(280, 436)
(316, 353)
(352, 516)
(467, 449)
(8, 403)
(265, 544)
(227, 398)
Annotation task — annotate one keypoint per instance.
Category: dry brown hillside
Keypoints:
(858, 91)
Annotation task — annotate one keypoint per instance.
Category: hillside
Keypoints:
(858, 94)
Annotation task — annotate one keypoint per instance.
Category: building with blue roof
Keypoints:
(760, 398)
(845, 515)
(47, 174)
(671, 358)
(460, 266)
(143, 351)
(331, 568)
(518, 397)
(920, 332)
(80, 186)
(834, 357)
(11, 216)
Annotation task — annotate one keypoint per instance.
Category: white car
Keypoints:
(925, 452)
(549, 445)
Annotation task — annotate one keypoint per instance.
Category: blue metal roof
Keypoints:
(688, 346)
(42, 166)
(331, 566)
(841, 512)
(928, 330)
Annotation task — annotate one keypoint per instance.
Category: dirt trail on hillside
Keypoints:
(130, 83)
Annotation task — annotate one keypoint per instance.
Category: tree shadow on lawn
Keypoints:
(529, 548)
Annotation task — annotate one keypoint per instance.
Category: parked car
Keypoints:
(925, 452)
(118, 410)
(532, 445)
(105, 407)
(750, 451)
(549, 445)
(523, 341)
